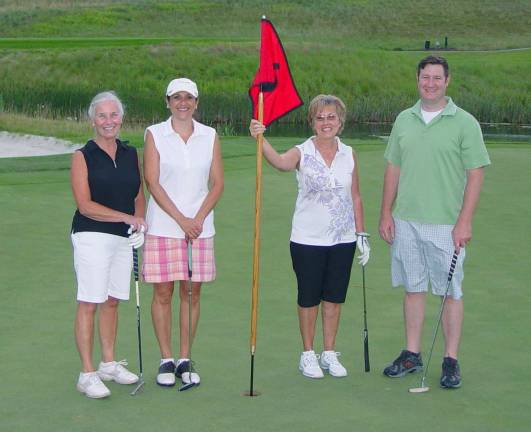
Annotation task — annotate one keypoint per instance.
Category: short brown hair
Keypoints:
(319, 102)
(434, 60)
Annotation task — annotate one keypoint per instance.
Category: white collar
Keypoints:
(198, 128)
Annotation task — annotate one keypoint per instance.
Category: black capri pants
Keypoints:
(323, 272)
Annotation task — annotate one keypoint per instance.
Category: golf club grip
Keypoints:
(452, 266)
(189, 253)
(135, 264)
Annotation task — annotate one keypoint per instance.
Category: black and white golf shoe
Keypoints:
(182, 371)
(166, 374)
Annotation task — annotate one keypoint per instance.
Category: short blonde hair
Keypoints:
(319, 102)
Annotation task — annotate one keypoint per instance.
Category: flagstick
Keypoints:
(256, 251)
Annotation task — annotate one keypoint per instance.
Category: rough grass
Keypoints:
(375, 85)
(340, 47)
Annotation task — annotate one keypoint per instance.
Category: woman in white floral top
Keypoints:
(328, 214)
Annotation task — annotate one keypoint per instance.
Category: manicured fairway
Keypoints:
(40, 363)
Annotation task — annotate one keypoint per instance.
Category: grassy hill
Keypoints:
(55, 55)
(385, 24)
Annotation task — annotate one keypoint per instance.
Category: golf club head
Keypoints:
(138, 387)
(422, 389)
(188, 386)
(253, 394)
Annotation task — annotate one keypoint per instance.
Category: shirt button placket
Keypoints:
(187, 155)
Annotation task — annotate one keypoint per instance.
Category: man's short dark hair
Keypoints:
(434, 60)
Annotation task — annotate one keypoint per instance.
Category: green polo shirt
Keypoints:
(433, 159)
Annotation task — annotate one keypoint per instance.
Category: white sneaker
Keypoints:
(89, 383)
(115, 371)
(330, 362)
(309, 365)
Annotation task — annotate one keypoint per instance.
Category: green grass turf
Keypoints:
(40, 363)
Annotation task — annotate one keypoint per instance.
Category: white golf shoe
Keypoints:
(115, 371)
(89, 383)
(330, 362)
(309, 365)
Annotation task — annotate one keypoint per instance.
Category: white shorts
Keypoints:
(422, 253)
(103, 264)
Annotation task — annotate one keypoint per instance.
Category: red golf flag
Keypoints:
(273, 78)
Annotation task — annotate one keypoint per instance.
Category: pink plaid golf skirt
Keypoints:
(165, 259)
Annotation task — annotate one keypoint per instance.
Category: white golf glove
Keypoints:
(362, 243)
(136, 239)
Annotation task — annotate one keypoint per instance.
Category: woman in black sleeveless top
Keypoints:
(108, 191)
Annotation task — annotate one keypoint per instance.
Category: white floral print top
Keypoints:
(324, 214)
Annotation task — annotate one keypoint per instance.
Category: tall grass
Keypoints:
(333, 47)
(374, 84)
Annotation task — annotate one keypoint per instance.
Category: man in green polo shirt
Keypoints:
(432, 183)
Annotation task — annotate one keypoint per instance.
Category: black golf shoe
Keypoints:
(451, 374)
(166, 374)
(406, 362)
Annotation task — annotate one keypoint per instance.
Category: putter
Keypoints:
(140, 383)
(191, 383)
(423, 388)
(365, 330)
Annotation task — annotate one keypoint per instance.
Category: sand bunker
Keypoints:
(18, 145)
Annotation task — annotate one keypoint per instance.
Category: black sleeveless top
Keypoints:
(112, 184)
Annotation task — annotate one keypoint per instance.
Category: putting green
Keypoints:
(40, 362)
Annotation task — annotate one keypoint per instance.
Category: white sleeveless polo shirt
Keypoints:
(184, 175)
(324, 213)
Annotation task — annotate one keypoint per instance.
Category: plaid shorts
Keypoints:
(165, 259)
(422, 253)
